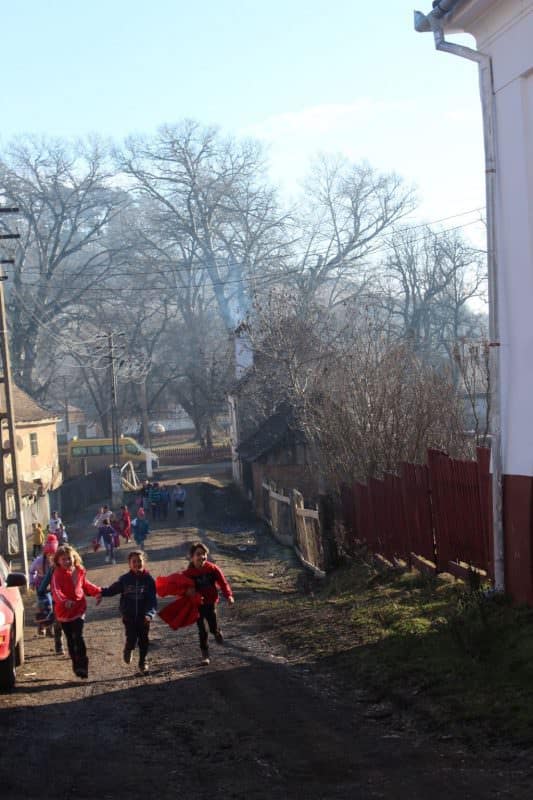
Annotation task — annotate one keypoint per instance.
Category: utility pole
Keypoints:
(12, 533)
(114, 410)
(67, 419)
(116, 478)
(144, 414)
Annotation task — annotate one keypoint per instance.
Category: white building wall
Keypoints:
(504, 30)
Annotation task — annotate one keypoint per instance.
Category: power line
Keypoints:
(268, 277)
(172, 270)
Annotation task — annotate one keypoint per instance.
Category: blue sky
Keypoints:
(339, 75)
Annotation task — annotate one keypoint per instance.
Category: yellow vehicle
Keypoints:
(91, 454)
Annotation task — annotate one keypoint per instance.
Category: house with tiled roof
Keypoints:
(37, 454)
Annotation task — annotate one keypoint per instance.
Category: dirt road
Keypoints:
(260, 722)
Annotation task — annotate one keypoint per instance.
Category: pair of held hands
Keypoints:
(70, 603)
(190, 593)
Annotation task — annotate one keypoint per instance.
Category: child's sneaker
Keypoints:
(60, 651)
(128, 655)
(143, 667)
(219, 639)
(81, 673)
(81, 667)
(205, 658)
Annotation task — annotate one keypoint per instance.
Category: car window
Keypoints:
(132, 449)
(79, 451)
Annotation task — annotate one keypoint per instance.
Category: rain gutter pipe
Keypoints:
(433, 22)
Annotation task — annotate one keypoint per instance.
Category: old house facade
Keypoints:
(37, 456)
(277, 453)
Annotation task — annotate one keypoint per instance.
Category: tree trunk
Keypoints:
(145, 423)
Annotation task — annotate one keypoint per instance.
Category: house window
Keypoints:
(34, 445)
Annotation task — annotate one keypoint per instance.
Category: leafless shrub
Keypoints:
(363, 403)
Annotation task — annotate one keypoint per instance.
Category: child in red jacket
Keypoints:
(69, 585)
(207, 577)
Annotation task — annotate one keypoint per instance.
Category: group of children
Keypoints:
(55, 526)
(157, 498)
(65, 579)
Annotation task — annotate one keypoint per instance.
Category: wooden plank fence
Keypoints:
(439, 512)
(295, 526)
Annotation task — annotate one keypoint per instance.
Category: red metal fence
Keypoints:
(439, 511)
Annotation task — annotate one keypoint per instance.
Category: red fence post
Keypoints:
(439, 481)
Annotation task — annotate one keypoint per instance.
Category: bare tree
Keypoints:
(384, 405)
(344, 215)
(364, 404)
(472, 360)
(427, 284)
(67, 207)
(211, 206)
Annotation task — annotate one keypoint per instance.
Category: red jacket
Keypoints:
(206, 581)
(71, 586)
(184, 610)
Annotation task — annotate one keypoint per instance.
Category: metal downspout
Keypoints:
(489, 134)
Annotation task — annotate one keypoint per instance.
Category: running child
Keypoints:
(45, 611)
(38, 538)
(179, 495)
(138, 605)
(208, 578)
(39, 571)
(140, 528)
(69, 586)
(106, 534)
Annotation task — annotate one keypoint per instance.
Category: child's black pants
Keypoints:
(75, 643)
(137, 629)
(207, 614)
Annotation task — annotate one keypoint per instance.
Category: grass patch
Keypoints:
(430, 644)
(250, 581)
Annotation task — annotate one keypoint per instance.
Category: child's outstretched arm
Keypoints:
(225, 588)
(109, 591)
(91, 588)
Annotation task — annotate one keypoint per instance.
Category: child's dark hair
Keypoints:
(198, 546)
(140, 553)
